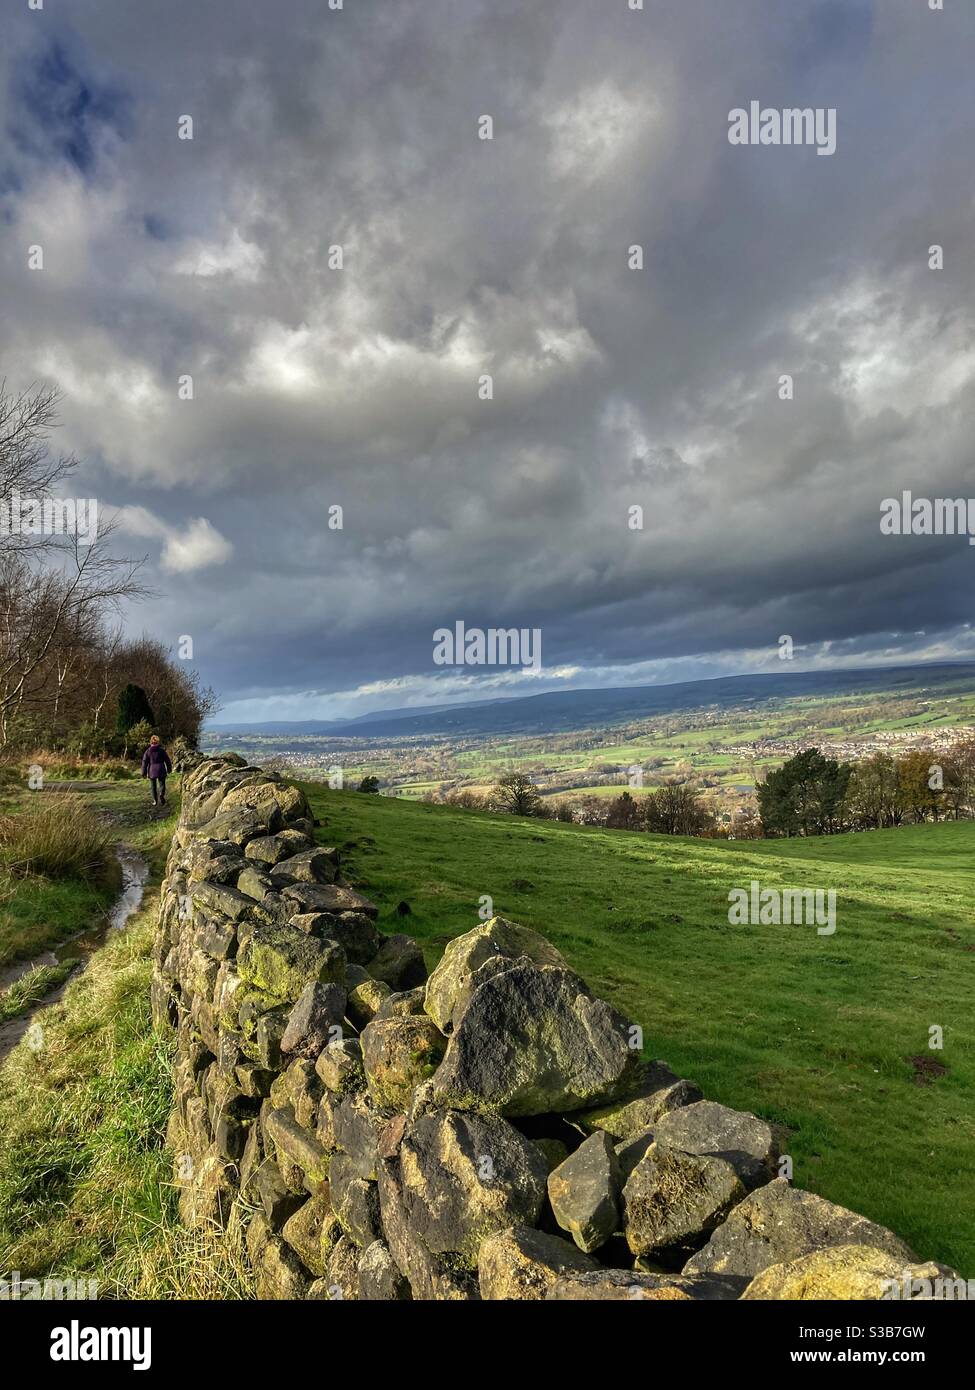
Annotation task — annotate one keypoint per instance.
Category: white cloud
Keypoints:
(197, 545)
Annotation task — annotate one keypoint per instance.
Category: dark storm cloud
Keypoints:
(613, 387)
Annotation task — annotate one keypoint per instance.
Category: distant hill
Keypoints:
(335, 726)
(564, 710)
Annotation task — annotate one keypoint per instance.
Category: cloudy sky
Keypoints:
(316, 387)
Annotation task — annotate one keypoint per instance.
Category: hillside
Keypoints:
(816, 1033)
(562, 710)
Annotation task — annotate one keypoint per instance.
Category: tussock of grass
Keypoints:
(85, 1182)
(31, 988)
(58, 838)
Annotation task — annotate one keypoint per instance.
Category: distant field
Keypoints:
(733, 734)
(815, 1033)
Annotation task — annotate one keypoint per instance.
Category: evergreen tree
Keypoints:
(804, 796)
(133, 706)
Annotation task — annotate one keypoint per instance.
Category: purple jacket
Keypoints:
(156, 761)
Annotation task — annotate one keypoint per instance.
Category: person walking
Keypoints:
(155, 764)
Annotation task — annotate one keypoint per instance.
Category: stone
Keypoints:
(379, 1277)
(343, 1271)
(391, 1136)
(282, 961)
(254, 1081)
(673, 1201)
(255, 884)
(741, 1139)
(257, 1236)
(398, 1054)
(399, 963)
(453, 980)
(205, 1200)
(404, 1004)
(319, 1009)
(209, 859)
(325, 1126)
(278, 1272)
(236, 827)
(356, 933)
(584, 1192)
(365, 1000)
(655, 1093)
(277, 1199)
(296, 1143)
(357, 1128)
(268, 1032)
(252, 1156)
(533, 1040)
(465, 1176)
(274, 802)
(627, 1285)
(430, 1276)
(354, 1201)
(340, 1068)
(230, 1132)
(321, 1290)
(218, 938)
(331, 1233)
(271, 849)
(315, 865)
(848, 1272)
(300, 1088)
(522, 1264)
(629, 1152)
(303, 1232)
(778, 1223)
(331, 897)
(220, 900)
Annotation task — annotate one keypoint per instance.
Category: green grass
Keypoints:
(31, 988)
(814, 1033)
(86, 1187)
(36, 914)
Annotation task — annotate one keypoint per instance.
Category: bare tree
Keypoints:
(55, 586)
(27, 465)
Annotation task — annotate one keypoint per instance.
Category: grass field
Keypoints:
(815, 1033)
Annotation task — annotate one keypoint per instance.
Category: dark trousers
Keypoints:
(159, 782)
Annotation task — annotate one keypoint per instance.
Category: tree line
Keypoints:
(70, 681)
(815, 795)
(810, 794)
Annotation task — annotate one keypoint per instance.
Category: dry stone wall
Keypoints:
(487, 1132)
